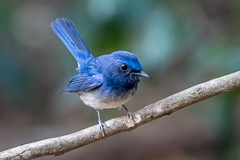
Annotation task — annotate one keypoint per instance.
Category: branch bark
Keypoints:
(59, 145)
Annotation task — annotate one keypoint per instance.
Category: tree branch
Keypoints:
(60, 145)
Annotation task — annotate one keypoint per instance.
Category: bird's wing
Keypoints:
(92, 82)
(81, 83)
(69, 35)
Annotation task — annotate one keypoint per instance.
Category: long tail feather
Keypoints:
(66, 31)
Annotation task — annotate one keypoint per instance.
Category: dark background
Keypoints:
(180, 44)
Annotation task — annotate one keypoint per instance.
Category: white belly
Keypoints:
(90, 99)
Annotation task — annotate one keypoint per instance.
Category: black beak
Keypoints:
(142, 74)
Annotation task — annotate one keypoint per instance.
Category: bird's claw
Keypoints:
(131, 116)
(101, 127)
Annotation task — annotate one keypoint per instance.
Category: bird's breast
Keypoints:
(101, 101)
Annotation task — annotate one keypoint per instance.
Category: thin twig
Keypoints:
(62, 144)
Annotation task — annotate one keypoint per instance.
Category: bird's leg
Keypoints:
(101, 125)
(129, 114)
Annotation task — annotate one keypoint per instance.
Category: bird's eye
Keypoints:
(124, 67)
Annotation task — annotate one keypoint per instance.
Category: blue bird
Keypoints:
(107, 81)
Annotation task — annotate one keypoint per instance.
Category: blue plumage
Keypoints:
(107, 81)
(67, 32)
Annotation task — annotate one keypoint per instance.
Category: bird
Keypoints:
(103, 82)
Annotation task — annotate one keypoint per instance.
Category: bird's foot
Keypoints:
(101, 124)
(130, 114)
(101, 127)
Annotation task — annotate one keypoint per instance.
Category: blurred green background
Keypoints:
(180, 44)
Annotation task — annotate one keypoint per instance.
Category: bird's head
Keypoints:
(124, 68)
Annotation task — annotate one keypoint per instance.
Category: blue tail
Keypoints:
(66, 31)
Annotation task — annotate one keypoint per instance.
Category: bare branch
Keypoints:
(60, 145)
